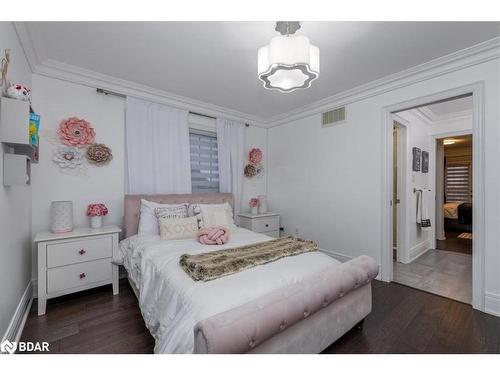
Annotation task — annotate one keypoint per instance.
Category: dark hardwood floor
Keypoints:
(403, 320)
(453, 243)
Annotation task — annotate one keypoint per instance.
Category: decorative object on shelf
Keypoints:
(288, 62)
(4, 66)
(96, 211)
(99, 154)
(425, 162)
(34, 128)
(416, 159)
(76, 132)
(61, 216)
(68, 157)
(262, 204)
(254, 205)
(19, 92)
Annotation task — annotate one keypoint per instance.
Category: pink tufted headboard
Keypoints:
(133, 205)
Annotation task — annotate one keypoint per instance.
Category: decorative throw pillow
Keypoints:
(215, 214)
(178, 229)
(174, 212)
(148, 222)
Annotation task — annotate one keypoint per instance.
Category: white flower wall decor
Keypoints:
(68, 157)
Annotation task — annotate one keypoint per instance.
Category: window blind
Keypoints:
(204, 161)
(458, 183)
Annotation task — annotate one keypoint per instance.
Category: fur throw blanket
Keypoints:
(215, 264)
(215, 235)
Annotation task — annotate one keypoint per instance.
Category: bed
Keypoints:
(298, 304)
(458, 216)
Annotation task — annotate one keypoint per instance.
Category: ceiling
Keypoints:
(216, 62)
(450, 107)
(460, 142)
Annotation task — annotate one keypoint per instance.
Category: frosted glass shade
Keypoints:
(288, 63)
(61, 216)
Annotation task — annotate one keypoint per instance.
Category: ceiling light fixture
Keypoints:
(288, 62)
(449, 142)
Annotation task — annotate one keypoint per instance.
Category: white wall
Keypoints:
(15, 205)
(327, 182)
(417, 136)
(253, 187)
(56, 100)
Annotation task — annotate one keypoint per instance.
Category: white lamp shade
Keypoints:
(288, 63)
(61, 216)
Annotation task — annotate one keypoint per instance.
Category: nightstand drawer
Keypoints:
(80, 274)
(71, 252)
(265, 224)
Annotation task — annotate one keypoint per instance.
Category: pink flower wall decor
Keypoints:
(255, 156)
(76, 132)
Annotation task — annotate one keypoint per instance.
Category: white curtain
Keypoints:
(157, 148)
(230, 145)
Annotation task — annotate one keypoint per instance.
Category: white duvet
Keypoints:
(172, 303)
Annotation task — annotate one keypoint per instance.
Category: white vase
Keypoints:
(95, 222)
(262, 204)
(61, 216)
(255, 210)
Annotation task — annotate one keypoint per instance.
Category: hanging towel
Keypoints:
(423, 219)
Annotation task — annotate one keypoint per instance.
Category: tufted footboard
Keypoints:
(303, 318)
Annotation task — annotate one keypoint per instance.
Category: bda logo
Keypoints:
(8, 347)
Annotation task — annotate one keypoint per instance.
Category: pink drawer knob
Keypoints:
(81, 252)
(82, 275)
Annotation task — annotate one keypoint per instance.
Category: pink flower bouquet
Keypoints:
(254, 202)
(76, 132)
(97, 209)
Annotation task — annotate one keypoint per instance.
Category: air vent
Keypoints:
(334, 116)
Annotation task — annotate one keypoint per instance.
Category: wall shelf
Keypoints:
(14, 127)
(15, 135)
(16, 170)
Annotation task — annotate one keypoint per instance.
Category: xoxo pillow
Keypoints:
(179, 228)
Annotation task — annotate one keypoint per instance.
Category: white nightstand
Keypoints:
(74, 261)
(268, 223)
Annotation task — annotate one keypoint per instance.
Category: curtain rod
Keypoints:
(112, 93)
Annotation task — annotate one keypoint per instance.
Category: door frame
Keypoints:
(478, 185)
(432, 172)
(403, 236)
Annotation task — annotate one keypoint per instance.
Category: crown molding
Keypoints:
(27, 44)
(425, 115)
(455, 116)
(477, 54)
(66, 72)
(455, 61)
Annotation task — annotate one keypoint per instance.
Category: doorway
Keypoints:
(426, 247)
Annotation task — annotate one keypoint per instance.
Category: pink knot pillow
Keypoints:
(214, 235)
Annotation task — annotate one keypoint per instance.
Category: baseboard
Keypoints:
(492, 303)
(419, 250)
(34, 282)
(16, 325)
(344, 258)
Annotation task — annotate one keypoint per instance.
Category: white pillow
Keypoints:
(178, 229)
(148, 222)
(214, 214)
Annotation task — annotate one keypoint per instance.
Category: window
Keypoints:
(204, 161)
(458, 183)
